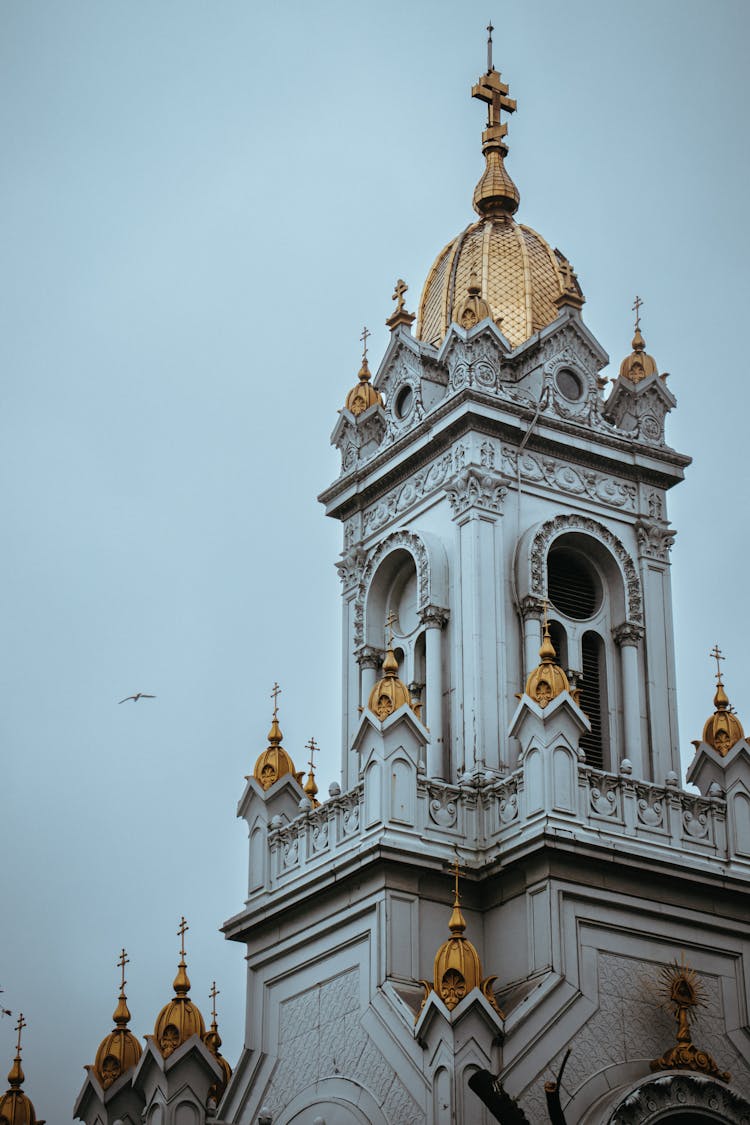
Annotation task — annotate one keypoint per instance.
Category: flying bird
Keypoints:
(138, 695)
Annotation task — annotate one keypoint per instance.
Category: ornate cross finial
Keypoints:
(366, 333)
(398, 294)
(389, 623)
(716, 653)
(456, 874)
(213, 994)
(181, 930)
(122, 961)
(275, 693)
(20, 1025)
(490, 29)
(312, 746)
(637, 310)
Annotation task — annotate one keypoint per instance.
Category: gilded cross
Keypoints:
(389, 623)
(494, 92)
(716, 653)
(181, 929)
(568, 273)
(366, 333)
(456, 873)
(490, 29)
(213, 994)
(275, 693)
(122, 961)
(312, 746)
(637, 310)
(19, 1028)
(398, 294)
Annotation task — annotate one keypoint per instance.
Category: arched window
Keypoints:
(594, 700)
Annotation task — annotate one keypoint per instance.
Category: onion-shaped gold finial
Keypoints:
(363, 395)
(274, 762)
(212, 1039)
(495, 195)
(16, 1106)
(389, 693)
(639, 364)
(547, 680)
(180, 1017)
(457, 968)
(723, 729)
(118, 1051)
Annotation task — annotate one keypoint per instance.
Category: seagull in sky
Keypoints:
(138, 695)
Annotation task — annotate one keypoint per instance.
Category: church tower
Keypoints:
(509, 724)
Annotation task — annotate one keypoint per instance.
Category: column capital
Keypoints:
(532, 607)
(476, 488)
(433, 617)
(370, 657)
(628, 634)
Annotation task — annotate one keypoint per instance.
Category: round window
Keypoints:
(569, 384)
(404, 401)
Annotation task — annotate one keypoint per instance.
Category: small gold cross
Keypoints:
(389, 623)
(213, 994)
(122, 961)
(637, 310)
(366, 333)
(275, 693)
(398, 294)
(19, 1028)
(183, 926)
(312, 746)
(716, 653)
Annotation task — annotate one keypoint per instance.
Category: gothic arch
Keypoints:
(535, 545)
(431, 566)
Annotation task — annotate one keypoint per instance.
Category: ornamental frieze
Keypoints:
(573, 480)
(400, 499)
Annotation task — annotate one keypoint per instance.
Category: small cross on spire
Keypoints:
(181, 930)
(366, 333)
(389, 623)
(213, 994)
(122, 961)
(716, 653)
(456, 873)
(398, 294)
(275, 693)
(490, 29)
(20, 1025)
(312, 746)
(637, 310)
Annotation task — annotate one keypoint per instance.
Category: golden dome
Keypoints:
(180, 1017)
(16, 1107)
(389, 693)
(520, 275)
(457, 966)
(548, 680)
(364, 395)
(274, 762)
(723, 729)
(212, 1039)
(639, 364)
(120, 1050)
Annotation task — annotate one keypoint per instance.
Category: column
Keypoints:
(370, 662)
(628, 637)
(434, 619)
(532, 610)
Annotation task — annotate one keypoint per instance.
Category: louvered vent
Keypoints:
(573, 589)
(591, 701)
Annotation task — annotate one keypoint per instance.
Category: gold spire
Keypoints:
(495, 195)
(547, 680)
(685, 993)
(638, 365)
(16, 1107)
(310, 786)
(274, 762)
(457, 968)
(364, 395)
(723, 729)
(402, 314)
(212, 1039)
(118, 1051)
(389, 693)
(179, 1018)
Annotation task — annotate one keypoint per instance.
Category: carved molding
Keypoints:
(472, 488)
(649, 1102)
(396, 501)
(575, 480)
(654, 539)
(559, 525)
(398, 540)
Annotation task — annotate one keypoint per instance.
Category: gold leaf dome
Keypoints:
(274, 762)
(180, 1017)
(389, 693)
(723, 729)
(547, 680)
(639, 364)
(363, 395)
(16, 1107)
(118, 1051)
(521, 277)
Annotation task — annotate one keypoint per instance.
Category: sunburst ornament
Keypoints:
(685, 993)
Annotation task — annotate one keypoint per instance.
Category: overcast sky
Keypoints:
(201, 205)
